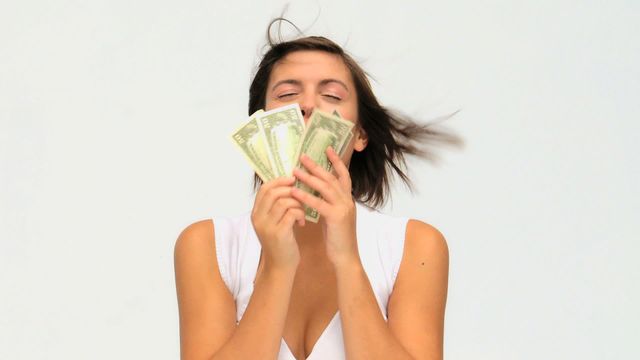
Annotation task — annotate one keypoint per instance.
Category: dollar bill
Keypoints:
(322, 131)
(283, 129)
(250, 139)
(346, 141)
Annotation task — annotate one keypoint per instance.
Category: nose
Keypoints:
(306, 112)
(307, 104)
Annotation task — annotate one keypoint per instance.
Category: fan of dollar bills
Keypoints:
(273, 142)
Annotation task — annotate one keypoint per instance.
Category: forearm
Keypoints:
(366, 334)
(259, 333)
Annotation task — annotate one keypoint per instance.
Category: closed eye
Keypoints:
(333, 97)
(286, 95)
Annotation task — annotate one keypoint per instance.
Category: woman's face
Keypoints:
(315, 80)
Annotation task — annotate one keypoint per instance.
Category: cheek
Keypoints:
(350, 112)
(268, 105)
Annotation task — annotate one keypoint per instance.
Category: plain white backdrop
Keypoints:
(114, 118)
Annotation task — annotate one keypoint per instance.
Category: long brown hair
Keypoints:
(390, 135)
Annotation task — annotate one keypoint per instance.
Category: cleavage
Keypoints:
(312, 307)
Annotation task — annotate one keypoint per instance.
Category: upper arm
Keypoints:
(417, 304)
(206, 307)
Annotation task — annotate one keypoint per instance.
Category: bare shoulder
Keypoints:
(417, 303)
(206, 306)
(196, 239)
(424, 241)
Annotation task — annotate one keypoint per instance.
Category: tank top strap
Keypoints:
(381, 245)
(238, 253)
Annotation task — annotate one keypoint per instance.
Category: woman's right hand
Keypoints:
(274, 213)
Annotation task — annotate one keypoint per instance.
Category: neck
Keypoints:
(309, 236)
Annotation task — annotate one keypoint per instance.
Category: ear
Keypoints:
(361, 140)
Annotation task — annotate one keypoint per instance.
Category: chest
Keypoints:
(312, 307)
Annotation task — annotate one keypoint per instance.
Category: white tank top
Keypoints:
(380, 244)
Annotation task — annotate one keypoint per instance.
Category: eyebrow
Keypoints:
(299, 83)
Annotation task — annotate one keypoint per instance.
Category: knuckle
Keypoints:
(283, 202)
(264, 187)
(277, 207)
(289, 213)
(268, 190)
(271, 194)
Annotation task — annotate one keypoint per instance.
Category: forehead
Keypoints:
(310, 65)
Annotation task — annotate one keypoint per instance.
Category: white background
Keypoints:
(114, 117)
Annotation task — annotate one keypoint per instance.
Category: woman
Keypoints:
(358, 284)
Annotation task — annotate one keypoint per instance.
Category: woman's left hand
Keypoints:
(336, 205)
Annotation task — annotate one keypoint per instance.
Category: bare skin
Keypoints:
(313, 301)
(308, 271)
(313, 80)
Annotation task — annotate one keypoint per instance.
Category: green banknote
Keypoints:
(249, 138)
(322, 131)
(283, 128)
(346, 141)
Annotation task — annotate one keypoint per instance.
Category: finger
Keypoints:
(277, 182)
(318, 171)
(281, 205)
(269, 196)
(317, 184)
(280, 181)
(339, 166)
(312, 201)
(291, 216)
